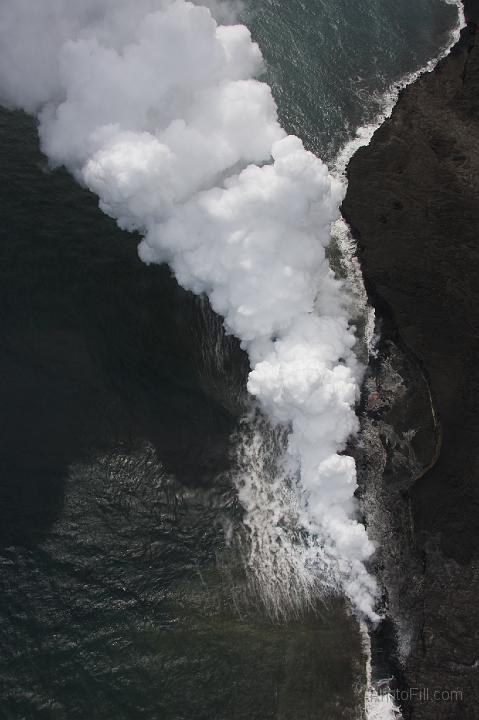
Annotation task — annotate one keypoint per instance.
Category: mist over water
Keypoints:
(293, 556)
(172, 154)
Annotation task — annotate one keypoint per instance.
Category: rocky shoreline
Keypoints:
(413, 206)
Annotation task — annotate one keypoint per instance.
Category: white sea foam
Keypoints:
(282, 566)
(365, 133)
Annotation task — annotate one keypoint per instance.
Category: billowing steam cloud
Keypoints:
(154, 107)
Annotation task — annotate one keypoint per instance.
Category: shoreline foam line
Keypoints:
(365, 133)
(341, 233)
(378, 706)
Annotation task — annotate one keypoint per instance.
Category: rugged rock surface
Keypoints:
(413, 205)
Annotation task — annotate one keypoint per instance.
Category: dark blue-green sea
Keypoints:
(122, 594)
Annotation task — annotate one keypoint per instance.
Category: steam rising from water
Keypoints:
(154, 107)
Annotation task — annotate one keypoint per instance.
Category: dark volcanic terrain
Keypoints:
(413, 205)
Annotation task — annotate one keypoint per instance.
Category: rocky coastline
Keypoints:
(413, 206)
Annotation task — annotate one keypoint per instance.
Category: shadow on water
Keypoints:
(97, 348)
(118, 395)
(119, 595)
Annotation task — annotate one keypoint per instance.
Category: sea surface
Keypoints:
(123, 591)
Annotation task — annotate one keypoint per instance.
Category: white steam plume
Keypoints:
(153, 106)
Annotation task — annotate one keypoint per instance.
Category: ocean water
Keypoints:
(331, 63)
(123, 591)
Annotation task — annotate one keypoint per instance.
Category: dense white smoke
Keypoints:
(153, 106)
